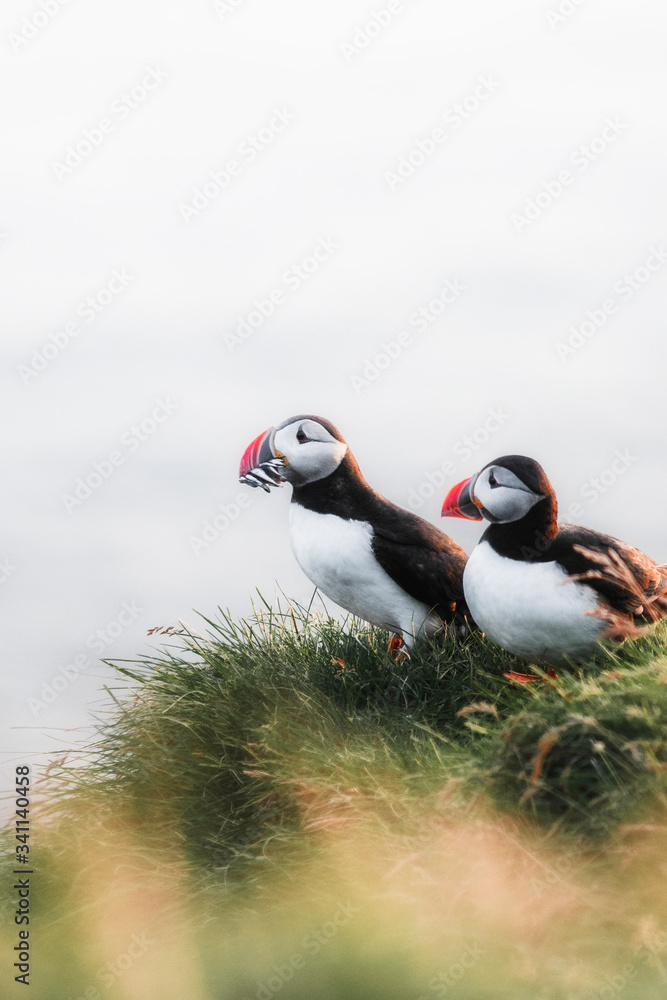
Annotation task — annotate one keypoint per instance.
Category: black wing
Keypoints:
(415, 554)
(627, 579)
(420, 558)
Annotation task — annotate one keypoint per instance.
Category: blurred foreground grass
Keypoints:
(278, 808)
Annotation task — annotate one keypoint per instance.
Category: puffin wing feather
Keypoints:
(423, 560)
(628, 580)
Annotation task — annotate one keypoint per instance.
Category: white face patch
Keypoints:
(310, 450)
(503, 494)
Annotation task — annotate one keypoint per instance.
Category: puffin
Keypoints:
(379, 562)
(546, 591)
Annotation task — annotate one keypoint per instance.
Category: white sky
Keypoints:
(347, 116)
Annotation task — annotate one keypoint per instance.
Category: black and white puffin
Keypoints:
(374, 559)
(543, 590)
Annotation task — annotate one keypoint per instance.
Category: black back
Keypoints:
(420, 558)
(539, 537)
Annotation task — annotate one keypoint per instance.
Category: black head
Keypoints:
(505, 490)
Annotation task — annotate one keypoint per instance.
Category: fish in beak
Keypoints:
(260, 465)
(461, 502)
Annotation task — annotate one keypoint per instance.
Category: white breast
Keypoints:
(336, 555)
(528, 608)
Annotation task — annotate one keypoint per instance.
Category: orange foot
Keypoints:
(395, 646)
(512, 675)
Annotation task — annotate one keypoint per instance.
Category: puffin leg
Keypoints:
(398, 648)
(518, 678)
(395, 645)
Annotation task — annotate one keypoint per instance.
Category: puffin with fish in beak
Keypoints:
(383, 564)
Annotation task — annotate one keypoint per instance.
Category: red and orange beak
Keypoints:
(461, 502)
(260, 465)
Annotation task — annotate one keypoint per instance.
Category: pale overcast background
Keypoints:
(499, 165)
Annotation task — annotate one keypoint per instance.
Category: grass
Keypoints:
(283, 789)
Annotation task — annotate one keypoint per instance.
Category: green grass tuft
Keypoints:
(282, 790)
(226, 725)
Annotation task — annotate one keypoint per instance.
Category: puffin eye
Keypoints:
(493, 482)
(301, 436)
